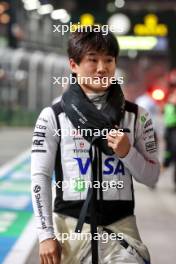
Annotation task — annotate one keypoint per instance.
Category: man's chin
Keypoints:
(99, 88)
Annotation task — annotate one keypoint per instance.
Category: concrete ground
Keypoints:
(155, 209)
(13, 141)
(156, 218)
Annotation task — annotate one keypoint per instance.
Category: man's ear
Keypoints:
(73, 65)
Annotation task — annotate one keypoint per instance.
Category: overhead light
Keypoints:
(45, 9)
(137, 43)
(111, 7)
(132, 54)
(158, 94)
(2, 8)
(5, 19)
(120, 23)
(31, 4)
(119, 3)
(87, 19)
(60, 14)
(151, 27)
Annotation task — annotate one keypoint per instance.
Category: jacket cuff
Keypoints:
(46, 234)
(128, 157)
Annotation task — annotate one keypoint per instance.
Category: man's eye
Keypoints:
(109, 60)
(92, 59)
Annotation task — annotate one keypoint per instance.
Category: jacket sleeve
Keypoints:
(44, 148)
(142, 159)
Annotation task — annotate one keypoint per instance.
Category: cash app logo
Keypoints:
(79, 185)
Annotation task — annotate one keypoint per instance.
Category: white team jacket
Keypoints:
(141, 162)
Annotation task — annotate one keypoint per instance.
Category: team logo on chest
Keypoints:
(110, 166)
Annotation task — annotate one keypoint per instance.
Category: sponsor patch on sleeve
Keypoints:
(150, 146)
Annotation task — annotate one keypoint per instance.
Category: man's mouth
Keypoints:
(100, 77)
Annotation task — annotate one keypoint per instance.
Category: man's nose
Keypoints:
(101, 67)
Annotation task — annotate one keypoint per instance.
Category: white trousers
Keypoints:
(76, 248)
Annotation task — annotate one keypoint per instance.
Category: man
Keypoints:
(91, 105)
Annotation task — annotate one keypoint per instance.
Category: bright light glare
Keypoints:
(31, 4)
(4, 19)
(111, 7)
(158, 94)
(119, 3)
(137, 43)
(45, 9)
(120, 22)
(2, 9)
(60, 14)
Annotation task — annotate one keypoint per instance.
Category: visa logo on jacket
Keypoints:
(111, 166)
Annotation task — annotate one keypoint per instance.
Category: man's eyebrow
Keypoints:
(91, 53)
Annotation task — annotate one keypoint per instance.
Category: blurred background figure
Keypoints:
(147, 102)
(170, 125)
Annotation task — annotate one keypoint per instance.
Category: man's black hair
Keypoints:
(80, 43)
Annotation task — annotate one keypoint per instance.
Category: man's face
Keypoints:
(94, 71)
